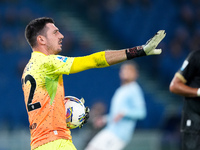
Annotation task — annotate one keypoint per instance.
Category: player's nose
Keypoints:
(61, 36)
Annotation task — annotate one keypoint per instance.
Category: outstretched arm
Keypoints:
(115, 56)
(111, 57)
(149, 48)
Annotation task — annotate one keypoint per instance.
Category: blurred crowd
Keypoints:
(128, 22)
(14, 16)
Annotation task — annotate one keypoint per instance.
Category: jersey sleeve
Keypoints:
(96, 60)
(188, 67)
(58, 64)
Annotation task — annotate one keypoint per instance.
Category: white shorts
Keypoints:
(105, 140)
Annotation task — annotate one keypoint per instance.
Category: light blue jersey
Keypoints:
(128, 100)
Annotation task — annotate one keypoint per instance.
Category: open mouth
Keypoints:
(60, 43)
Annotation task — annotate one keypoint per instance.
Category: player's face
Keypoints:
(54, 39)
(128, 73)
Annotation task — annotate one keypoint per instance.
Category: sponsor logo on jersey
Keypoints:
(62, 58)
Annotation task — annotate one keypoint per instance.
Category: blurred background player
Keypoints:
(42, 80)
(186, 83)
(127, 106)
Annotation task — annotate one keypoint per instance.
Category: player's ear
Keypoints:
(41, 40)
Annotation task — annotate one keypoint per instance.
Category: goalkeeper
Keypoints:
(42, 80)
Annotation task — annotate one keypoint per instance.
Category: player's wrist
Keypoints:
(198, 92)
(137, 51)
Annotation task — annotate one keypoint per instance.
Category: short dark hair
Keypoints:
(36, 27)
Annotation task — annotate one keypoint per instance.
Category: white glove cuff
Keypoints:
(198, 92)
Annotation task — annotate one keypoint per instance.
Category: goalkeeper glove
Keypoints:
(149, 48)
(87, 110)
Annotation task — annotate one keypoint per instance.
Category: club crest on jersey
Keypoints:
(61, 58)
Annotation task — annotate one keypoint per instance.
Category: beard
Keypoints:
(52, 50)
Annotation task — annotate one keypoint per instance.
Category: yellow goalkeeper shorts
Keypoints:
(60, 144)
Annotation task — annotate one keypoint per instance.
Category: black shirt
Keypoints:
(190, 70)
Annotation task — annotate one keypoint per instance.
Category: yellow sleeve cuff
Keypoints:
(178, 75)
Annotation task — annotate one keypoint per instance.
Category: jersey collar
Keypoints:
(37, 52)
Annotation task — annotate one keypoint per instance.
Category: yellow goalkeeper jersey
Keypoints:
(42, 83)
(44, 95)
